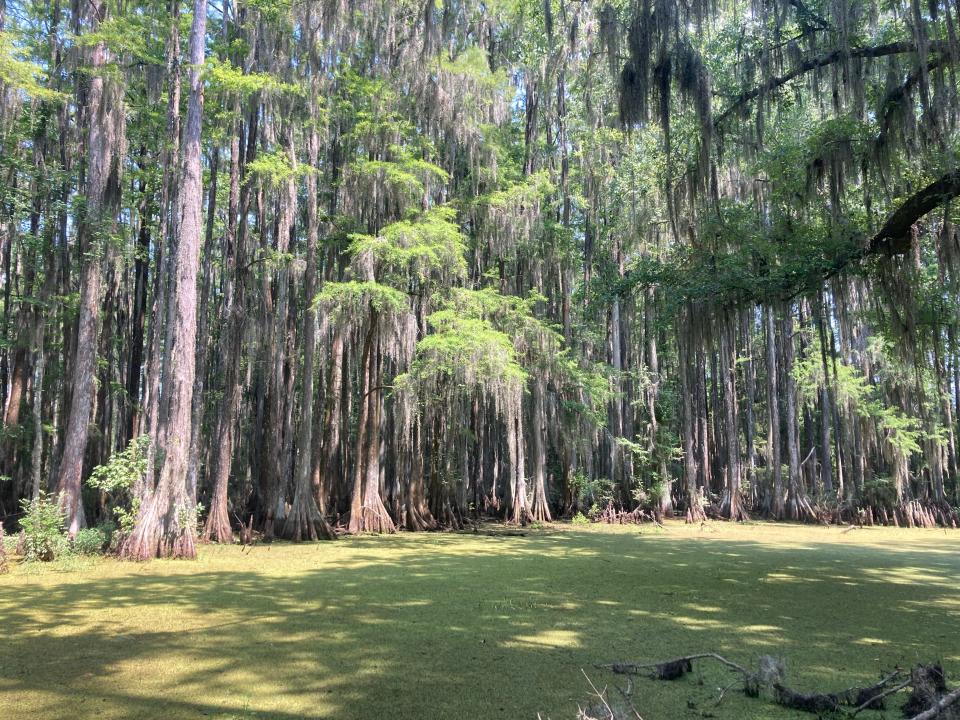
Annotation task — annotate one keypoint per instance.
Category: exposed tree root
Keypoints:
(732, 508)
(911, 513)
(375, 520)
(161, 531)
(695, 513)
(540, 510)
(217, 528)
(612, 515)
(304, 521)
(929, 697)
(929, 687)
(416, 519)
(798, 508)
(946, 708)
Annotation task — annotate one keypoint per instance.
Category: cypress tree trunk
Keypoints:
(775, 502)
(798, 507)
(539, 507)
(304, 521)
(166, 523)
(732, 505)
(686, 368)
(102, 198)
(375, 515)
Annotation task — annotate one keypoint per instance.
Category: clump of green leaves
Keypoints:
(590, 493)
(42, 526)
(116, 478)
(880, 492)
(93, 541)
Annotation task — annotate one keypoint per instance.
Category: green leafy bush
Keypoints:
(115, 478)
(880, 492)
(123, 468)
(590, 492)
(42, 525)
(580, 519)
(93, 541)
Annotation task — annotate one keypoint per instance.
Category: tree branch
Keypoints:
(834, 56)
(935, 711)
(894, 237)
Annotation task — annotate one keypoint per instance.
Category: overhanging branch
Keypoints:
(835, 56)
(894, 237)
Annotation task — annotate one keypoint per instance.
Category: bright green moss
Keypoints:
(472, 626)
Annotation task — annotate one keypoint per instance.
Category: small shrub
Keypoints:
(590, 492)
(42, 526)
(123, 469)
(93, 541)
(116, 478)
(880, 492)
(580, 519)
(126, 519)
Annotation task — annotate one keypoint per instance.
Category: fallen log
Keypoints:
(929, 697)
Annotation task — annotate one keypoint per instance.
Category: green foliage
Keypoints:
(9, 543)
(468, 351)
(580, 519)
(274, 168)
(126, 519)
(428, 245)
(353, 299)
(879, 492)
(123, 469)
(23, 75)
(590, 493)
(93, 541)
(116, 478)
(132, 35)
(42, 526)
(227, 78)
(900, 430)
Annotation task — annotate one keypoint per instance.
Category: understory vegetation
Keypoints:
(456, 625)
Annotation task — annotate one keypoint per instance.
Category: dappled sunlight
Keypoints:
(547, 639)
(369, 627)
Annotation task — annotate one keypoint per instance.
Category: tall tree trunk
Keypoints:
(166, 524)
(374, 514)
(686, 369)
(539, 506)
(775, 503)
(102, 195)
(733, 500)
(798, 508)
(304, 521)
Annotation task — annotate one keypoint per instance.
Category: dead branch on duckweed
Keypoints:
(870, 699)
(946, 702)
(929, 697)
(806, 702)
(671, 669)
(583, 714)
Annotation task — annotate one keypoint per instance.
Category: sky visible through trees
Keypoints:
(277, 267)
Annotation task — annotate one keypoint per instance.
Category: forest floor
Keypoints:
(468, 626)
